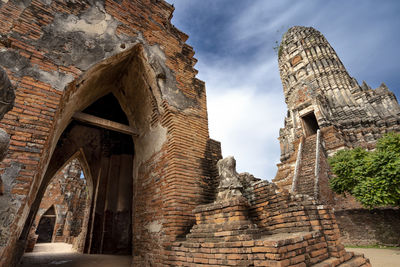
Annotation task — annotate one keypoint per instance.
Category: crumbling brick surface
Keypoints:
(296, 231)
(379, 226)
(345, 113)
(50, 51)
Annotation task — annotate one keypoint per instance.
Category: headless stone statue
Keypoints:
(229, 185)
(7, 97)
(7, 94)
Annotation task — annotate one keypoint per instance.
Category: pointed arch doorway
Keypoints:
(101, 117)
(46, 225)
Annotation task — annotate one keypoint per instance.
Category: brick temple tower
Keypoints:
(327, 111)
(321, 95)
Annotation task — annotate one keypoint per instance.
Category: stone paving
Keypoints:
(380, 257)
(62, 255)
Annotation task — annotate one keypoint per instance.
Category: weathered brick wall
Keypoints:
(284, 175)
(53, 52)
(276, 213)
(273, 230)
(285, 213)
(325, 194)
(369, 227)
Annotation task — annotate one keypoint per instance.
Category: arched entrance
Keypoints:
(310, 124)
(46, 225)
(102, 116)
(66, 195)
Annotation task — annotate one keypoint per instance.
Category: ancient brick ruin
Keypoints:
(62, 211)
(327, 111)
(112, 84)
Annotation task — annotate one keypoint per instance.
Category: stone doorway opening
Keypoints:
(109, 155)
(64, 204)
(310, 124)
(46, 225)
(109, 120)
(105, 227)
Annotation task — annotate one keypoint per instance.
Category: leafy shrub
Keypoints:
(372, 177)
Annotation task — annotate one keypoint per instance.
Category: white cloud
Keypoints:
(260, 19)
(244, 92)
(247, 125)
(243, 116)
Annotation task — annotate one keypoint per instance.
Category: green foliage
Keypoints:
(390, 142)
(278, 48)
(372, 177)
(280, 51)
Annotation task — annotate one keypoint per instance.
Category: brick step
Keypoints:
(213, 228)
(309, 143)
(305, 184)
(247, 232)
(305, 192)
(309, 146)
(357, 261)
(310, 170)
(330, 262)
(307, 173)
(350, 260)
(305, 179)
(306, 187)
(309, 166)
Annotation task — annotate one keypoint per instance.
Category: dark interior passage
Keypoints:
(45, 228)
(109, 158)
(107, 107)
(310, 124)
(111, 220)
(112, 227)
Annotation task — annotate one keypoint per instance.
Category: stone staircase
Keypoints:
(350, 260)
(306, 178)
(261, 227)
(224, 235)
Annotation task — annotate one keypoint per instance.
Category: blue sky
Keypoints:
(234, 41)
